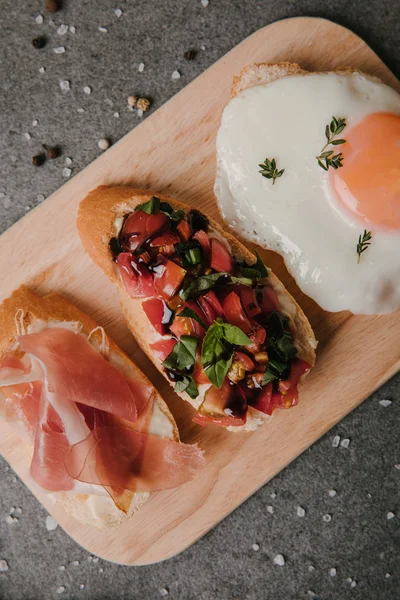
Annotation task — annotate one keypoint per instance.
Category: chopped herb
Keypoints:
(363, 242)
(150, 207)
(188, 385)
(327, 159)
(201, 284)
(115, 246)
(190, 253)
(255, 271)
(188, 312)
(196, 221)
(217, 350)
(259, 266)
(275, 370)
(279, 338)
(183, 354)
(175, 215)
(269, 171)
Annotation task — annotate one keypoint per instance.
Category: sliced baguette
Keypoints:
(99, 511)
(96, 218)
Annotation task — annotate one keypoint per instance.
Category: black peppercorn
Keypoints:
(190, 54)
(53, 5)
(38, 159)
(39, 42)
(52, 151)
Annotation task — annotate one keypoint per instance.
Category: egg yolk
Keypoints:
(368, 183)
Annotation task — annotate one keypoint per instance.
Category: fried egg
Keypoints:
(316, 218)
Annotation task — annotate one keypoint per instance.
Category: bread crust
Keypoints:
(96, 216)
(54, 307)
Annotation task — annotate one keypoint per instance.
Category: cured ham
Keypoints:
(87, 421)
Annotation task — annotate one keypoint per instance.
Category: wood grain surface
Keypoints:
(173, 151)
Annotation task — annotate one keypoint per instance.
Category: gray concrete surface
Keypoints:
(360, 542)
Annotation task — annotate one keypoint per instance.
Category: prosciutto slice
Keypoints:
(88, 423)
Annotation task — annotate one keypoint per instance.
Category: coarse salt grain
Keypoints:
(65, 85)
(87, 89)
(205, 3)
(116, 115)
(82, 586)
(66, 172)
(10, 519)
(6, 202)
(270, 509)
(327, 518)
(72, 29)
(387, 575)
(101, 570)
(41, 69)
(95, 559)
(141, 67)
(75, 563)
(68, 160)
(385, 403)
(272, 495)
(311, 568)
(35, 122)
(27, 208)
(118, 12)
(353, 584)
(103, 29)
(163, 592)
(18, 510)
(345, 443)
(397, 466)
(332, 493)
(51, 523)
(80, 110)
(336, 441)
(390, 515)
(312, 594)
(60, 590)
(59, 50)
(103, 144)
(39, 19)
(255, 547)
(3, 566)
(175, 75)
(300, 511)
(349, 580)
(62, 30)
(332, 572)
(90, 558)
(202, 47)
(279, 560)
(61, 568)
(139, 112)
(27, 135)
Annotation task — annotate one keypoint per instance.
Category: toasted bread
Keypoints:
(99, 511)
(96, 225)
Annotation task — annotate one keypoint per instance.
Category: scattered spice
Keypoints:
(52, 151)
(39, 19)
(336, 441)
(118, 12)
(332, 572)
(72, 28)
(190, 54)
(41, 69)
(385, 403)
(132, 100)
(3, 566)
(39, 42)
(66, 172)
(60, 590)
(51, 523)
(327, 518)
(390, 515)
(163, 592)
(87, 89)
(345, 443)
(279, 560)
(141, 67)
(143, 104)
(38, 159)
(270, 510)
(82, 586)
(59, 50)
(62, 29)
(300, 511)
(332, 493)
(103, 144)
(175, 75)
(53, 5)
(103, 29)
(255, 547)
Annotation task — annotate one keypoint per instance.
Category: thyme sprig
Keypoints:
(363, 242)
(269, 171)
(327, 158)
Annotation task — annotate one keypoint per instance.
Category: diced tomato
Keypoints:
(186, 325)
(235, 314)
(298, 367)
(269, 300)
(226, 406)
(221, 258)
(209, 313)
(140, 226)
(249, 301)
(158, 314)
(184, 230)
(258, 337)
(245, 360)
(212, 299)
(198, 372)
(167, 250)
(291, 398)
(163, 348)
(167, 238)
(264, 400)
(136, 277)
(168, 277)
(204, 241)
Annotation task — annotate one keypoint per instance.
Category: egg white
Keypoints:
(299, 216)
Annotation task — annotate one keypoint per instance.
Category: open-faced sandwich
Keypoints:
(100, 436)
(308, 165)
(211, 316)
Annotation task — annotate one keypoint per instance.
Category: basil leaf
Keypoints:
(241, 280)
(234, 335)
(275, 370)
(187, 385)
(175, 215)
(183, 354)
(279, 338)
(259, 266)
(200, 284)
(212, 345)
(217, 371)
(150, 207)
(188, 312)
(249, 272)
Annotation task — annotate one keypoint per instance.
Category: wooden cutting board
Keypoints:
(173, 151)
